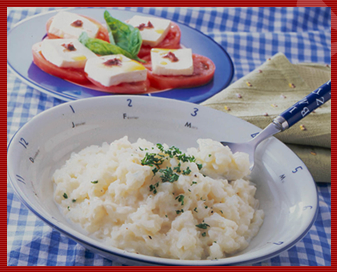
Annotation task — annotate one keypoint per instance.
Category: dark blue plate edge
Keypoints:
(65, 97)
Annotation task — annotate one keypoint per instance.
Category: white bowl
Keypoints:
(285, 188)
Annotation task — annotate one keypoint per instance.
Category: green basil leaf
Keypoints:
(103, 48)
(124, 35)
(111, 38)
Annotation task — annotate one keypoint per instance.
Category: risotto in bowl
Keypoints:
(145, 181)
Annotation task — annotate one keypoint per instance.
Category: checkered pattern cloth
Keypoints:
(250, 36)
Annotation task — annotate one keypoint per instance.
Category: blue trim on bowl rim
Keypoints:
(141, 257)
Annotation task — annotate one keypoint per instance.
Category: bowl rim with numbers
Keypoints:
(285, 188)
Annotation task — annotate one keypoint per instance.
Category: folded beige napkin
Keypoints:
(272, 88)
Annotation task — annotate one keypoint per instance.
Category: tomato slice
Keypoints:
(172, 41)
(203, 72)
(71, 74)
(124, 88)
(102, 33)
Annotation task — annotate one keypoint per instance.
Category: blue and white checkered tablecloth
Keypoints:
(250, 36)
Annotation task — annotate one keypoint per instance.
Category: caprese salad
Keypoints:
(141, 55)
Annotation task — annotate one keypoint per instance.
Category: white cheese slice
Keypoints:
(151, 35)
(63, 27)
(127, 70)
(162, 65)
(66, 53)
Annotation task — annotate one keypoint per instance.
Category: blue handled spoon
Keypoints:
(285, 120)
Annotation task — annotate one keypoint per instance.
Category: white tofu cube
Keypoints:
(66, 53)
(70, 26)
(153, 30)
(115, 69)
(172, 62)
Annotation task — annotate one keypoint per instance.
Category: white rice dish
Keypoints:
(155, 200)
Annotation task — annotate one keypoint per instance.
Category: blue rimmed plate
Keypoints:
(32, 30)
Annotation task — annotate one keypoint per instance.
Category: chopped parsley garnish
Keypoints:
(180, 199)
(68, 208)
(153, 188)
(206, 207)
(160, 147)
(179, 211)
(209, 155)
(173, 151)
(202, 226)
(177, 169)
(203, 234)
(94, 182)
(168, 175)
(195, 209)
(74, 200)
(141, 149)
(152, 159)
(189, 190)
(187, 171)
(221, 211)
(199, 165)
(194, 182)
(150, 237)
(165, 215)
(185, 158)
(154, 171)
(65, 195)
